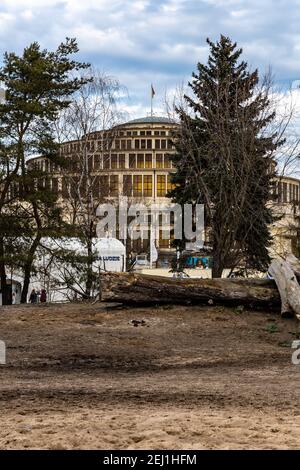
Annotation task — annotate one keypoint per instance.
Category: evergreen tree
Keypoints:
(38, 86)
(224, 155)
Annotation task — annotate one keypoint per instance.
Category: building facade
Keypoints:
(286, 208)
(134, 161)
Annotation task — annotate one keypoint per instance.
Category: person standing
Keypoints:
(33, 297)
(43, 297)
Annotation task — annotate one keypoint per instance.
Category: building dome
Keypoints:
(152, 120)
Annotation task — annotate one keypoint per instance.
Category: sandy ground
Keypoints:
(83, 377)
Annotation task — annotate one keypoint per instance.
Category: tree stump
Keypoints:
(288, 287)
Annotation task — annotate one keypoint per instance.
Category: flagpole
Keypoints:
(151, 223)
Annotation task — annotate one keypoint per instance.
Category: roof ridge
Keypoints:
(152, 119)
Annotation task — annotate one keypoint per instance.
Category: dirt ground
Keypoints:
(83, 377)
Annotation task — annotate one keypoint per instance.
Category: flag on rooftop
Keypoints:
(152, 91)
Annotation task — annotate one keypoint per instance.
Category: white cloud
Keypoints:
(27, 15)
(183, 52)
(113, 40)
(157, 40)
(240, 13)
(7, 20)
(18, 5)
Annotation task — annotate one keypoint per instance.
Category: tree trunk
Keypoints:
(217, 271)
(288, 287)
(26, 282)
(27, 269)
(218, 262)
(133, 288)
(89, 273)
(217, 268)
(3, 277)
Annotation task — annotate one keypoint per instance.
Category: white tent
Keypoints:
(111, 255)
(15, 289)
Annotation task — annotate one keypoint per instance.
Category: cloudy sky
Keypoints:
(159, 41)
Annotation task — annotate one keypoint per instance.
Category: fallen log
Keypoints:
(288, 287)
(294, 264)
(133, 288)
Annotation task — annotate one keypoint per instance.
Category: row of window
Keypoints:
(147, 161)
(142, 246)
(287, 192)
(17, 189)
(142, 133)
(142, 185)
(99, 138)
(143, 144)
(110, 162)
(44, 165)
(104, 186)
(121, 161)
(117, 144)
(110, 185)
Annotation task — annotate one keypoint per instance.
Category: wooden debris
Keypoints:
(288, 287)
(134, 288)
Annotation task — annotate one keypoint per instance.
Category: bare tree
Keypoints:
(286, 203)
(86, 131)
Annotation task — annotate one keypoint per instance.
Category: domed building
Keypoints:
(133, 160)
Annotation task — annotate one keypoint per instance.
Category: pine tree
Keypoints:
(224, 155)
(38, 86)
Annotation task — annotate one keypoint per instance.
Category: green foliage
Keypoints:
(284, 344)
(272, 328)
(39, 84)
(224, 155)
(239, 309)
